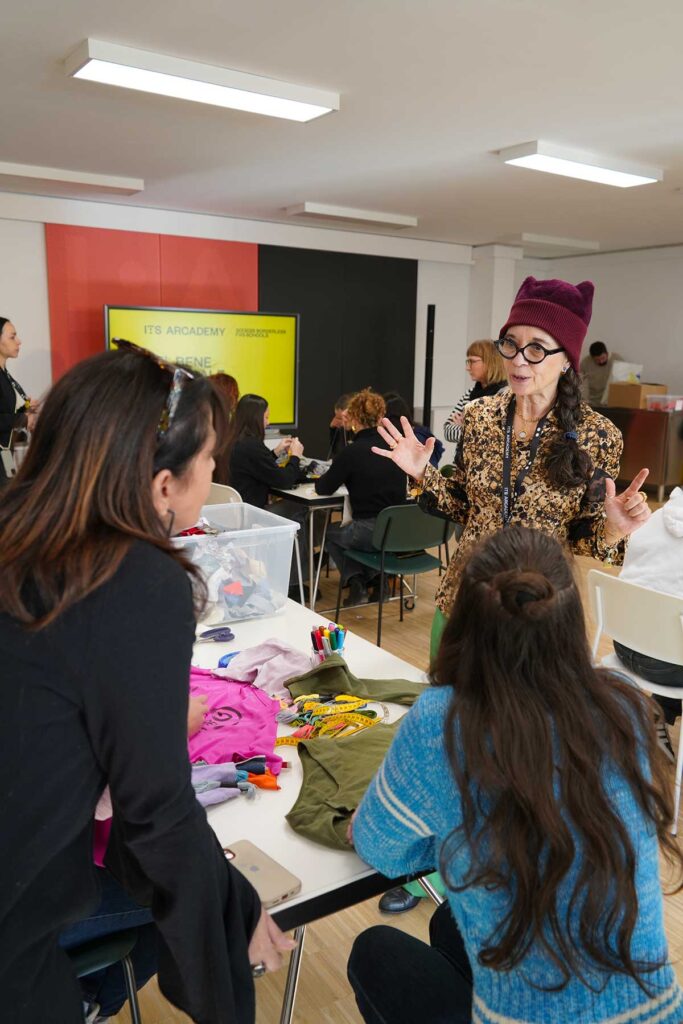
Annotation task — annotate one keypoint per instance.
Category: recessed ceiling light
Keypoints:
(550, 244)
(309, 209)
(545, 156)
(66, 182)
(203, 83)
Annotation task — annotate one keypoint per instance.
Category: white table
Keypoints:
(305, 494)
(331, 879)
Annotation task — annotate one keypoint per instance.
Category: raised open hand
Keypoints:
(626, 511)
(404, 448)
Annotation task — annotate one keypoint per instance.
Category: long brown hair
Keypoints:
(531, 728)
(84, 490)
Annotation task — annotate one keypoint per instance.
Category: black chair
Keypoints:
(401, 534)
(98, 954)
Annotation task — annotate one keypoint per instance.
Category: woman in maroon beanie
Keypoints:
(535, 453)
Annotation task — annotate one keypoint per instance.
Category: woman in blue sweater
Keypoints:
(533, 780)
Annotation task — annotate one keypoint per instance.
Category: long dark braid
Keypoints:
(568, 465)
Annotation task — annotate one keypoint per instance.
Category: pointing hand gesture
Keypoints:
(626, 511)
(404, 448)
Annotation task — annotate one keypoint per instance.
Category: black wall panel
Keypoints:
(357, 326)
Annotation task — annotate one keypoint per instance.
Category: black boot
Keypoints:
(397, 901)
(358, 592)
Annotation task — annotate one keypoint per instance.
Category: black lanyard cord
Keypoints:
(510, 494)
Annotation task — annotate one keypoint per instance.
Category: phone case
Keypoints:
(272, 882)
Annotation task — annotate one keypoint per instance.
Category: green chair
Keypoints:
(401, 534)
(98, 954)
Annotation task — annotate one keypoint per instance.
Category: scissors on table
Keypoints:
(217, 635)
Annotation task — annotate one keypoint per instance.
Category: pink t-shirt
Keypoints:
(240, 723)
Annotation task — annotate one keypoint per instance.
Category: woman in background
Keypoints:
(17, 411)
(370, 488)
(97, 624)
(228, 389)
(487, 370)
(541, 792)
(254, 471)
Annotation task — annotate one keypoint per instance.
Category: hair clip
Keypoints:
(571, 435)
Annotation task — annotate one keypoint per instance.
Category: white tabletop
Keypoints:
(262, 820)
(306, 493)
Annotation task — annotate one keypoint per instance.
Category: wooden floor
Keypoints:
(324, 996)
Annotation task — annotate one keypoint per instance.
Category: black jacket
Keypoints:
(100, 697)
(254, 471)
(373, 482)
(9, 419)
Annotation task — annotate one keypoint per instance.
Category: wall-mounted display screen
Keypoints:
(261, 350)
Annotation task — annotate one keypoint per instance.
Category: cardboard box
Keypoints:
(632, 396)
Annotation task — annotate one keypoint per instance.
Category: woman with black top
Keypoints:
(254, 472)
(487, 370)
(97, 623)
(371, 489)
(17, 411)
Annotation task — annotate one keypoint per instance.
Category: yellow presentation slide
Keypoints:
(258, 349)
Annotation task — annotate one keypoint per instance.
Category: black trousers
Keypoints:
(397, 979)
(661, 672)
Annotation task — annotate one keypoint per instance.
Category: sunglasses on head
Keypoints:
(180, 378)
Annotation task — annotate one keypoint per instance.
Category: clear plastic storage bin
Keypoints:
(247, 566)
(665, 403)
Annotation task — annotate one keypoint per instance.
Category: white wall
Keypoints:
(638, 306)
(23, 298)
(447, 285)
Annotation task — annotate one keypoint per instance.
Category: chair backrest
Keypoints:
(221, 494)
(407, 528)
(645, 620)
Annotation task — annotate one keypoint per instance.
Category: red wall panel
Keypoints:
(90, 267)
(87, 268)
(206, 274)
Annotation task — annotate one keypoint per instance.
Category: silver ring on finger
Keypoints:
(258, 970)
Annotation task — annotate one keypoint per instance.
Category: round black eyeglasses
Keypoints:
(533, 352)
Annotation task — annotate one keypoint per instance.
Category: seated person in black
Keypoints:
(340, 431)
(371, 488)
(397, 407)
(97, 623)
(254, 472)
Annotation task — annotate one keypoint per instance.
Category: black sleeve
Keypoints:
(12, 421)
(162, 847)
(263, 467)
(336, 475)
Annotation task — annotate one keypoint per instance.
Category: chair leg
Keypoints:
(440, 561)
(339, 590)
(379, 612)
(400, 614)
(677, 791)
(131, 989)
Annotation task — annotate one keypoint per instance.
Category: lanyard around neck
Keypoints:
(510, 494)
(16, 385)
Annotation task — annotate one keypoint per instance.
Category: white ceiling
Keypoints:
(429, 89)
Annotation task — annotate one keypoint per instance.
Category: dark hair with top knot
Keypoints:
(532, 730)
(568, 465)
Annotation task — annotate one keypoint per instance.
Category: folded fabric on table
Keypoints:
(336, 774)
(240, 721)
(333, 676)
(269, 665)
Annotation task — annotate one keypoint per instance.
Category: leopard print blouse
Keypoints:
(472, 496)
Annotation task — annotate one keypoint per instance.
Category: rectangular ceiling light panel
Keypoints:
(309, 209)
(202, 83)
(545, 156)
(67, 180)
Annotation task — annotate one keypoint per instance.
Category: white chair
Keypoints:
(647, 621)
(221, 494)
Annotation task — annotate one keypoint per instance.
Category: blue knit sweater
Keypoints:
(411, 807)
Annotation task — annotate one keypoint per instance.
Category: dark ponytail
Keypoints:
(568, 465)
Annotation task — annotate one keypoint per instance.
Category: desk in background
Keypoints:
(331, 879)
(653, 439)
(305, 494)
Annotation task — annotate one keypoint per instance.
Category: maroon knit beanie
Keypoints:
(561, 309)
